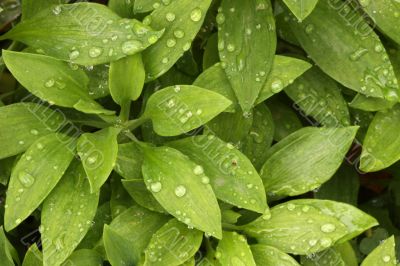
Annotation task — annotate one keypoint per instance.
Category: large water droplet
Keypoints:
(170, 16)
(328, 228)
(131, 47)
(196, 15)
(95, 52)
(74, 54)
(276, 85)
(179, 34)
(26, 179)
(198, 170)
(156, 187)
(180, 191)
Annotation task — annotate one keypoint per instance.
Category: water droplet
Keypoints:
(230, 47)
(276, 85)
(39, 146)
(291, 206)
(179, 34)
(220, 18)
(156, 187)
(364, 3)
(152, 39)
(328, 228)
(309, 28)
(170, 16)
(205, 180)
(49, 83)
(378, 48)
(91, 159)
(165, 60)
(180, 191)
(34, 132)
(171, 43)
(26, 179)
(326, 242)
(312, 242)
(198, 170)
(196, 14)
(186, 46)
(18, 221)
(21, 142)
(57, 10)
(131, 47)
(74, 54)
(95, 52)
(386, 258)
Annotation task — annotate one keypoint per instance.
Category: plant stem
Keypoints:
(125, 111)
(133, 124)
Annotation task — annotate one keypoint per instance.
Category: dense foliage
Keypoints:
(199, 132)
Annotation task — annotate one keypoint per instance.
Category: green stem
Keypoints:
(125, 111)
(133, 124)
(231, 227)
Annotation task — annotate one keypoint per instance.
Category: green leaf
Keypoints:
(343, 186)
(267, 255)
(260, 137)
(387, 17)
(370, 104)
(211, 54)
(339, 255)
(35, 175)
(305, 159)
(7, 251)
(31, 7)
(33, 256)
(234, 250)
(23, 123)
(129, 161)
(384, 254)
(320, 97)
(182, 21)
(231, 175)
(284, 71)
(247, 43)
(98, 81)
(84, 33)
(50, 79)
(126, 79)
(230, 127)
(138, 191)
(285, 119)
(120, 199)
(382, 142)
(308, 226)
(181, 108)
(173, 244)
(137, 225)
(181, 189)
(84, 257)
(123, 8)
(301, 8)
(143, 6)
(336, 35)
(214, 79)
(91, 107)
(67, 215)
(98, 152)
(116, 247)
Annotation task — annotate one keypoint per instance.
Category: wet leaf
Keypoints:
(305, 159)
(116, 248)
(173, 244)
(98, 37)
(67, 215)
(84, 257)
(98, 152)
(247, 43)
(384, 254)
(370, 104)
(229, 172)
(380, 146)
(181, 108)
(267, 255)
(31, 7)
(308, 226)
(234, 250)
(35, 175)
(182, 189)
(129, 161)
(7, 251)
(33, 257)
(182, 21)
(23, 123)
(51, 79)
(320, 97)
(330, 39)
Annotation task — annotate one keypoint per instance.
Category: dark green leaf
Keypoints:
(129, 161)
(320, 97)
(336, 35)
(84, 257)
(182, 189)
(384, 254)
(98, 152)
(35, 175)
(7, 251)
(181, 108)
(305, 159)
(231, 175)
(84, 33)
(370, 104)
(247, 43)
(67, 215)
(285, 119)
(172, 244)
(182, 21)
(117, 248)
